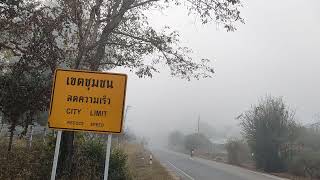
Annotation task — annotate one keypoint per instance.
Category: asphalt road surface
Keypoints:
(188, 168)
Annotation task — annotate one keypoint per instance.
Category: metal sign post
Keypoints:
(56, 155)
(106, 167)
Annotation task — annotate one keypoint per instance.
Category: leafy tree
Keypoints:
(22, 95)
(28, 57)
(232, 147)
(92, 154)
(197, 141)
(175, 138)
(266, 127)
(106, 34)
(238, 151)
(28, 36)
(305, 163)
(102, 35)
(12, 105)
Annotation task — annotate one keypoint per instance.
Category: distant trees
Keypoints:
(185, 143)
(175, 139)
(197, 141)
(266, 127)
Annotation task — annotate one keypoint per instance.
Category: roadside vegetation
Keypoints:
(35, 162)
(278, 142)
(140, 167)
(272, 141)
(196, 142)
(129, 159)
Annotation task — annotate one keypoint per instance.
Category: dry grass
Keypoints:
(138, 161)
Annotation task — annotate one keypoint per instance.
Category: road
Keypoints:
(200, 169)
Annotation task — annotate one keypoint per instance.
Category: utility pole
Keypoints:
(198, 124)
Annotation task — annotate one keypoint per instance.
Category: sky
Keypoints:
(276, 52)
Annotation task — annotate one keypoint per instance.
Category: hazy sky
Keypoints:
(276, 52)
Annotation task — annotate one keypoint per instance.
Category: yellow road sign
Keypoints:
(87, 101)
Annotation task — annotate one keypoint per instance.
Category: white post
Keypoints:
(56, 155)
(150, 159)
(106, 166)
(44, 136)
(30, 139)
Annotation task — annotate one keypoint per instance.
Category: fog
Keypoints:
(276, 52)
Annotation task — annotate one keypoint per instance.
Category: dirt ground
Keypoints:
(138, 160)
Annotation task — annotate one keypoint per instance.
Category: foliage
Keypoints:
(100, 35)
(197, 141)
(118, 165)
(28, 57)
(25, 163)
(36, 163)
(305, 163)
(107, 34)
(266, 127)
(238, 151)
(18, 102)
(89, 154)
(92, 154)
(28, 36)
(309, 139)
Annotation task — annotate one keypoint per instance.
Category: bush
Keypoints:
(89, 162)
(25, 163)
(305, 164)
(36, 162)
(197, 141)
(266, 126)
(118, 168)
(238, 151)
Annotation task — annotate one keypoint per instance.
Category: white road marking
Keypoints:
(241, 168)
(185, 174)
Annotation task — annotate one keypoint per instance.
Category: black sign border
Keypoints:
(94, 72)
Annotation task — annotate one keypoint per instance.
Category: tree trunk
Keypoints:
(1, 124)
(67, 147)
(12, 129)
(66, 155)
